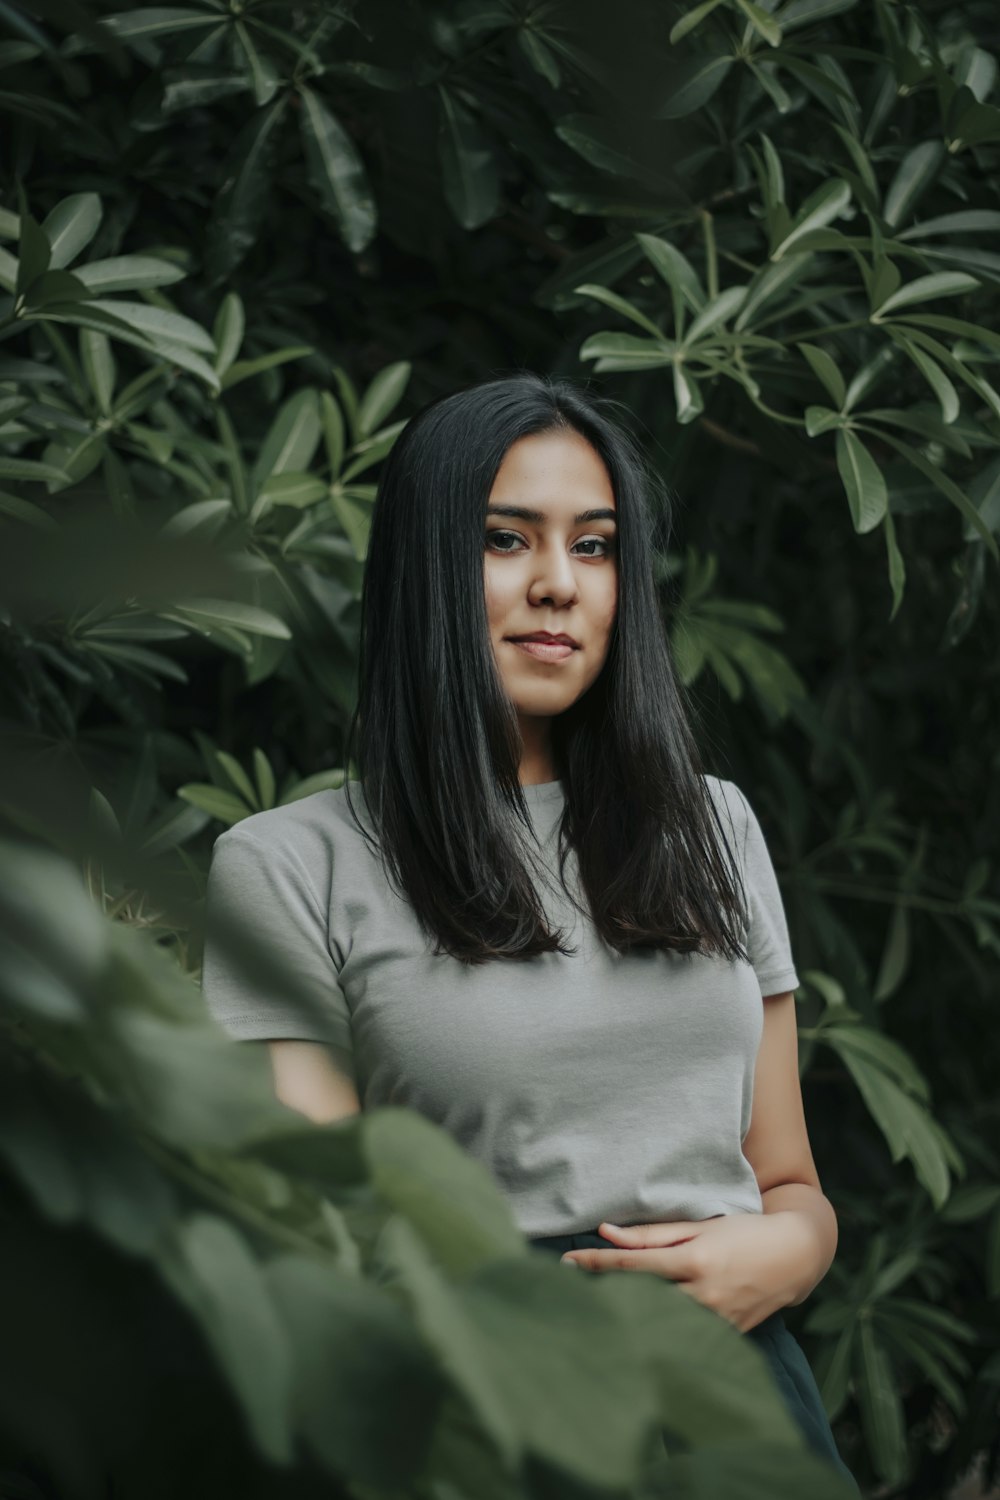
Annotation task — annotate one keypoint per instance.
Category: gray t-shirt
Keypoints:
(594, 1087)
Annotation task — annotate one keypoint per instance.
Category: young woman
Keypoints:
(535, 919)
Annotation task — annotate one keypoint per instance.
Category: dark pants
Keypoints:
(789, 1366)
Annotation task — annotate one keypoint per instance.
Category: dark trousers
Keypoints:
(789, 1366)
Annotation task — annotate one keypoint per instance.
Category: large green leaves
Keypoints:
(337, 172)
(244, 189)
(897, 1095)
(468, 169)
(863, 481)
(216, 1273)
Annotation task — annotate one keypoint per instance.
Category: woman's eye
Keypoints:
(494, 538)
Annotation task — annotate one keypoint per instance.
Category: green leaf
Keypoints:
(909, 1129)
(32, 469)
(895, 952)
(618, 305)
(975, 125)
(227, 1291)
(128, 273)
(914, 175)
(245, 369)
(245, 192)
(692, 19)
(55, 286)
(825, 369)
(295, 489)
(928, 289)
(626, 351)
(146, 664)
(231, 768)
(821, 419)
(262, 70)
(590, 1426)
(337, 172)
(932, 373)
(191, 86)
(354, 513)
(333, 432)
(809, 12)
(694, 85)
(453, 1335)
(539, 55)
(719, 310)
(228, 331)
(862, 165)
(224, 806)
(33, 250)
(966, 221)
(158, 20)
(880, 1406)
(867, 378)
(897, 567)
(947, 486)
(293, 438)
(8, 271)
(675, 269)
(266, 786)
(367, 1392)
(688, 400)
(160, 445)
(882, 282)
(469, 170)
(26, 511)
(205, 516)
(597, 142)
(382, 396)
(447, 1196)
(239, 488)
(862, 479)
(55, 942)
(99, 367)
(819, 209)
(71, 226)
(772, 175)
(157, 325)
(764, 24)
(371, 451)
(976, 332)
(767, 283)
(204, 613)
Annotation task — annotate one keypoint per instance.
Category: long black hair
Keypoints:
(440, 746)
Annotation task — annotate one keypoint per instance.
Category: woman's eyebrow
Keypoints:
(522, 513)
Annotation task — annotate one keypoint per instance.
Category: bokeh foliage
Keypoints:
(238, 245)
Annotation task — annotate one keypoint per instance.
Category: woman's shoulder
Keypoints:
(315, 824)
(729, 800)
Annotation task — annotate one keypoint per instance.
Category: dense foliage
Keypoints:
(239, 243)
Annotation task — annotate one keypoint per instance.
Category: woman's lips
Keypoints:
(545, 650)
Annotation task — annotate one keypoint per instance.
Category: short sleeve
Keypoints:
(767, 936)
(268, 971)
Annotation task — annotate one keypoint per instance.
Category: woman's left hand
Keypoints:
(743, 1266)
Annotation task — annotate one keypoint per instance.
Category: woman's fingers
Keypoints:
(673, 1262)
(638, 1236)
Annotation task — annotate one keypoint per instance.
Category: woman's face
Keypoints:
(550, 565)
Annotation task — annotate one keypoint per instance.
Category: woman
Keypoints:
(531, 795)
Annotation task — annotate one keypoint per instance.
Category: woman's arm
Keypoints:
(311, 1077)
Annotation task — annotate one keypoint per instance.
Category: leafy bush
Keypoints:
(239, 244)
